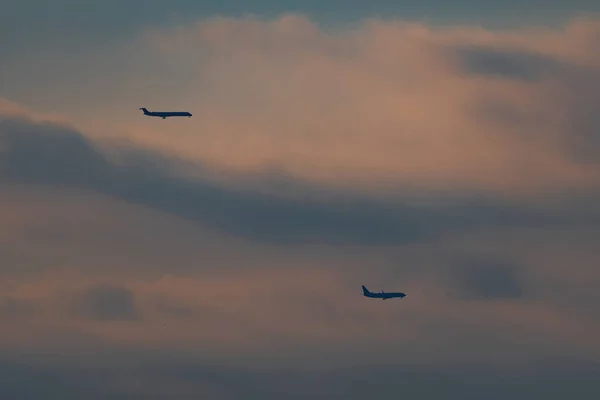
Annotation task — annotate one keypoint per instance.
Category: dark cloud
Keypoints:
(48, 154)
(108, 302)
(484, 279)
(51, 155)
(507, 63)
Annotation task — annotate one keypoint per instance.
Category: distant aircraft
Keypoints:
(165, 114)
(382, 295)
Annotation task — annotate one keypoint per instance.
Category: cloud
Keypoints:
(296, 316)
(507, 64)
(106, 302)
(47, 154)
(34, 24)
(447, 163)
(484, 279)
(11, 308)
(51, 155)
(191, 215)
(385, 107)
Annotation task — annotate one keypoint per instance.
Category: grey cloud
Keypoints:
(570, 96)
(108, 302)
(501, 112)
(47, 153)
(485, 279)
(50, 155)
(12, 259)
(580, 92)
(171, 308)
(507, 63)
(12, 309)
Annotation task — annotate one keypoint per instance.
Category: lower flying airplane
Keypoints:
(382, 295)
(165, 114)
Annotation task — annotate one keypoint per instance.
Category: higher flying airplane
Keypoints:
(165, 114)
(382, 295)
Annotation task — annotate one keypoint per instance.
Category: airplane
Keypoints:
(382, 295)
(165, 114)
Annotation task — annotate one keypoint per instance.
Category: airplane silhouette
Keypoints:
(382, 295)
(165, 114)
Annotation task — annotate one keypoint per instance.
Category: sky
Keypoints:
(450, 152)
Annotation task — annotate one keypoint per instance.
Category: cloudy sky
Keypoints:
(447, 150)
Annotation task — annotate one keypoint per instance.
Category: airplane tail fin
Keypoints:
(365, 290)
(145, 110)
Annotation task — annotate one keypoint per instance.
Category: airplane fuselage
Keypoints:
(166, 114)
(382, 295)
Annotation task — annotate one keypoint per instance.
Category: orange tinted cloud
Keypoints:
(386, 105)
(383, 106)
